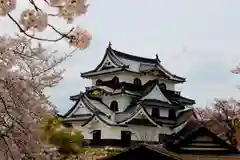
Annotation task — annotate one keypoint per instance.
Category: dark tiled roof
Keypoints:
(134, 58)
(74, 106)
(217, 127)
(193, 125)
(178, 142)
(189, 127)
(146, 88)
(146, 65)
(158, 103)
(164, 154)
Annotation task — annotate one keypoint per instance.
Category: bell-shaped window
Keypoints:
(114, 106)
(137, 81)
(115, 80)
(99, 82)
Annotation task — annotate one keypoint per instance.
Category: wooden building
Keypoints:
(199, 143)
(193, 142)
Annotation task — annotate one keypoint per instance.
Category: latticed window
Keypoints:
(114, 106)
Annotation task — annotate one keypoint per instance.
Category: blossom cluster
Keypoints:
(31, 19)
(80, 38)
(69, 9)
(37, 19)
(236, 70)
(7, 6)
(24, 73)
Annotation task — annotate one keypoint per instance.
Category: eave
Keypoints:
(116, 58)
(173, 76)
(178, 99)
(142, 90)
(77, 118)
(100, 119)
(93, 73)
(148, 68)
(110, 91)
(141, 110)
(157, 103)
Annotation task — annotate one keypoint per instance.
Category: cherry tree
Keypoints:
(27, 69)
(236, 70)
(222, 115)
(36, 19)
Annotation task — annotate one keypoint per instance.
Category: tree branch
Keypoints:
(42, 39)
(5, 107)
(8, 148)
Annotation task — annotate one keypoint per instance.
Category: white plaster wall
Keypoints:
(107, 132)
(132, 64)
(129, 77)
(123, 101)
(157, 94)
(164, 112)
(146, 133)
(139, 133)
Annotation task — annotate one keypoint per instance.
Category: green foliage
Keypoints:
(51, 124)
(67, 140)
(95, 92)
(114, 152)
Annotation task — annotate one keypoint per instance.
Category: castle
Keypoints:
(132, 99)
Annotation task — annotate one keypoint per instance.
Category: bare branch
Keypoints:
(38, 38)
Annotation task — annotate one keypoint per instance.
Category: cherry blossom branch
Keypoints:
(34, 5)
(42, 39)
(8, 148)
(61, 60)
(5, 107)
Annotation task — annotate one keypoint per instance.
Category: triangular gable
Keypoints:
(202, 141)
(107, 63)
(80, 109)
(156, 94)
(143, 114)
(141, 119)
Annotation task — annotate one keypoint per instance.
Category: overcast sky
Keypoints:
(196, 39)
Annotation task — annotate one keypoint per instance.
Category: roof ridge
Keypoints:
(122, 54)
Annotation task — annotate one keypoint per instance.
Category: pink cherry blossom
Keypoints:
(24, 76)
